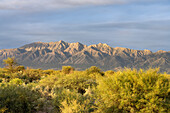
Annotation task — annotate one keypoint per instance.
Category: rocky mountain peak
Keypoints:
(75, 47)
(103, 45)
(48, 55)
(34, 46)
(160, 51)
(58, 46)
(147, 52)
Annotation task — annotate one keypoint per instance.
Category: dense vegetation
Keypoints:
(90, 91)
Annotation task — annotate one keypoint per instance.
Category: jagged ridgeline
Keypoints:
(56, 54)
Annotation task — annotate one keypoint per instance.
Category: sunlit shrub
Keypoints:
(67, 69)
(72, 102)
(16, 81)
(48, 81)
(70, 91)
(48, 72)
(78, 80)
(134, 91)
(109, 73)
(94, 70)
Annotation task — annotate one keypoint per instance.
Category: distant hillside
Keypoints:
(56, 54)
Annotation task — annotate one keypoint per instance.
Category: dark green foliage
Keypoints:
(18, 99)
(32, 74)
(1, 80)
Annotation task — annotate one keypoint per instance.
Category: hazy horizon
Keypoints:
(134, 24)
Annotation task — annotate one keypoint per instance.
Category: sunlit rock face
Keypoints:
(56, 54)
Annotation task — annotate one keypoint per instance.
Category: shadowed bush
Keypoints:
(18, 99)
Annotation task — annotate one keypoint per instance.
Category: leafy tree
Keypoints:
(11, 64)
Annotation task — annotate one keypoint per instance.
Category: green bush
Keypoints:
(48, 81)
(69, 91)
(18, 99)
(32, 74)
(78, 80)
(134, 91)
(16, 81)
(94, 69)
(109, 73)
(72, 102)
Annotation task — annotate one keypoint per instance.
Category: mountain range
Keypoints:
(54, 55)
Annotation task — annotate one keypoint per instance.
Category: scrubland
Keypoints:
(89, 91)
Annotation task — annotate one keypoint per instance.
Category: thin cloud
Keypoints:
(56, 4)
(159, 25)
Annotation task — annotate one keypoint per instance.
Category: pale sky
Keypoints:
(135, 24)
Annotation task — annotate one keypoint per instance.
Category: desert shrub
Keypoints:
(45, 103)
(134, 91)
(2, 72)
(18, 99)
(49, 72)
(72, 102)
(67, 69)
(15, 75)
(69, 91)
(109, 73)
(32, 74)
(16, 81)
(75, 106)
(20, 68)
(48, 81)
(94, 70)
(78, 80)
(2, 75)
